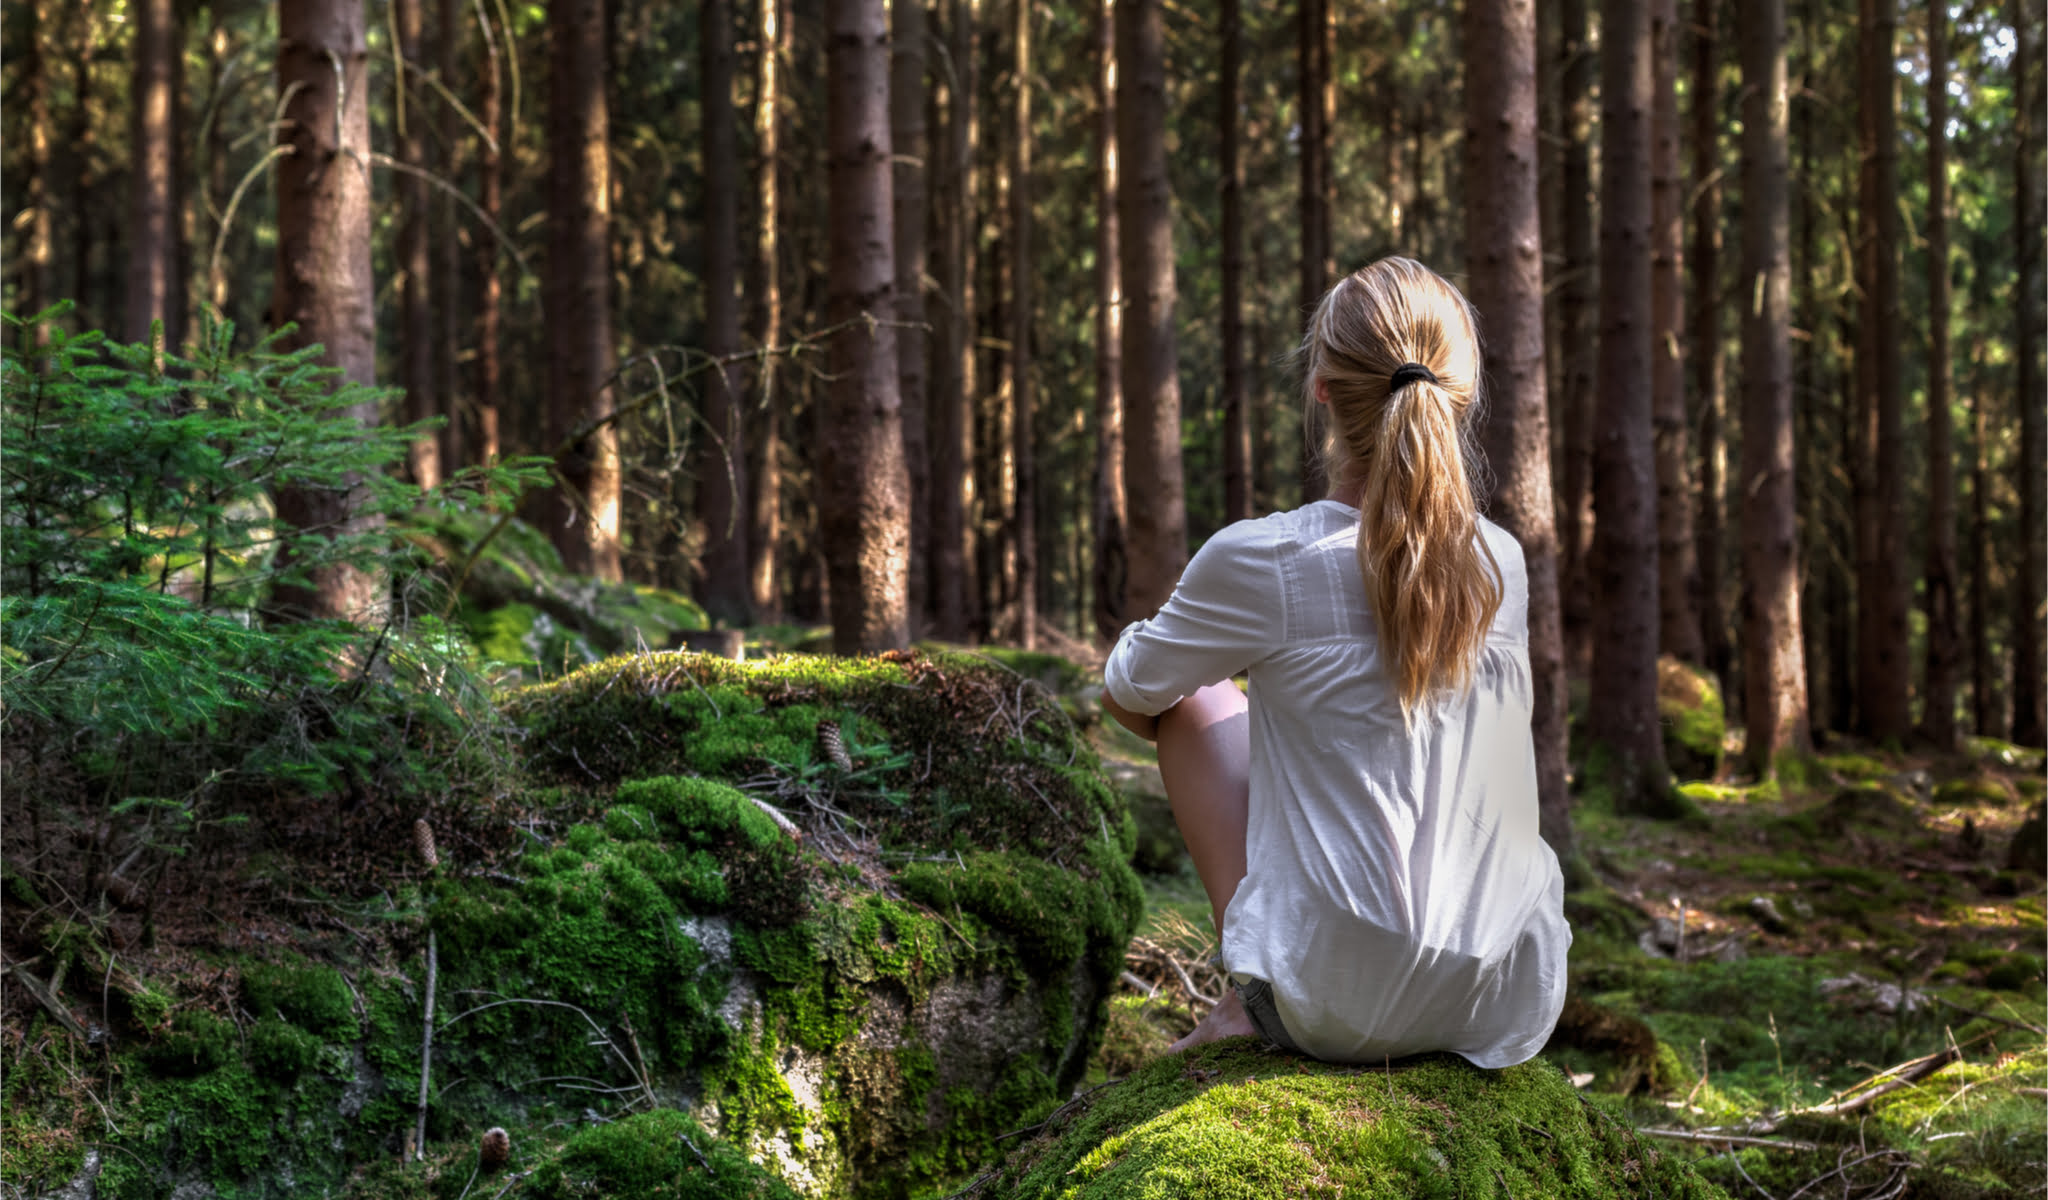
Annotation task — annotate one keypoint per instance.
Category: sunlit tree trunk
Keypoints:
(1678, 626)
(764, 325)
(953, 401)
(1944, 636)
(1109, 557)
(1504, 276)
(1622, 713)
(1986, 703)
(417, 331)
(153, 292)
(457, 403)
(864, 489)
(1774, 673)
(38, 286)
(1883, 665)
(1314, 148)
(1237, 492)
(581, 512)
(722, 464)
(2029, 716)
(324, 283)
(1709, 366)
(1024, 515)
(907, 134)
(1151, 377)
(1578, 334)
(490, 299)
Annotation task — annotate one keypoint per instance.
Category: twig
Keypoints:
(701, 1160)
(1985, 1016)
(1151, 990)
(48, 999)
(1903, 1075)
(1730, 1139)
(419, 1141)
(633, 1040)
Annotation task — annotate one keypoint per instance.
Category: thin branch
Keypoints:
(384, 160)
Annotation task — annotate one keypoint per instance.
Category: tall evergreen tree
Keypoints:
(1237, 497)
(1944, 632)
(417, 332)
(724, 585)
(1578, 332)
(1709, 366)
(1024, 510)
(1109, 561)
(907, 134)
(153, 291)
(2029, 705)
(1678, 627)
(764, 320)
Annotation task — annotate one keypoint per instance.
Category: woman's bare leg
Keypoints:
(1205, 763)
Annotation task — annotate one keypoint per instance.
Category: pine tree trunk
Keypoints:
(416, 305)
(152, 289)
(764, 325)
(2029, 714)
(1109, 557)
(581, 512)
(864, 487)
(913, 351)
(1986, 702)
(1577, 332)
(1504, 246)
(38, 285)
(487, 445)
(725, 588)
(1151, 379)
(455, 441)
(1237, 497)
(1774, 674)
(1024, 514)
(953, 417)
(1884, 669)
(1622, 714)
(1944, 637)
(1708, 364)
(1678, 628)
(324, 283)
(1315, 224)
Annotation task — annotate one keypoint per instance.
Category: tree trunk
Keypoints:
(1773, 670)
(1678, 627)
(1622, 714)
(953, 416)
(1110, 550)
(764, 326)
(722, 466)
(2029, 715)
(488, 443)
(1504, 253)
(455, 441)
(1151, 378)
(1237, 491)
(38, 286)
(1988, 706)
(1708, 363)
(1884, 669)
(1315, 224)
(415, 306)
(83, 149)
(907, 133)
(1024, 515)
(153, 293)
(864, 487)
(1944, 637)
(581, 512)
(1578, 334)
(324, 283)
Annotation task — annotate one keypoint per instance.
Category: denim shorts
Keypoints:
(1257, 997)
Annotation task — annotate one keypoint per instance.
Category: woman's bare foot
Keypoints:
(1227, 1019)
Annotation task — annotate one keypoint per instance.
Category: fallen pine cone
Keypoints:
(423, 841)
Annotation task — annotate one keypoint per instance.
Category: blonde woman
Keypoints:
(1365, 823)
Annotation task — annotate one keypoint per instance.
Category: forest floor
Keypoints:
(1750, 985)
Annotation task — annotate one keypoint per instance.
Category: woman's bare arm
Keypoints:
(1138, 723)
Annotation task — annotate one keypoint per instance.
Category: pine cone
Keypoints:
(495, 1151)
(423, 841)
(834, 745)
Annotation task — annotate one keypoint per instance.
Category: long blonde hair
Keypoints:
(1433, 583)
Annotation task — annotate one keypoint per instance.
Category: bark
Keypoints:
(490, 168)
(722, 466)
(1883, 666)
(1151, 380)
(953, 404)
(1709, 366)
(38, 285)
(415, 306)
(1678, 628)
(1987, 705)
(581, 512)
(1024, 515)
(83, 140)
(764, 324)
(152, 287)
(324, 283)
(907, 134)
(864, 487)
(1109, 511)
(1237, 497)
(1774, 675)
(1503, 238)
(456, 437)
(1577, 333)
(1622, 714)
(2029, 714)
(1310, 19)
(1944, 636)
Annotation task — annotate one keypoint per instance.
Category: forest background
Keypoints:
(966, 326)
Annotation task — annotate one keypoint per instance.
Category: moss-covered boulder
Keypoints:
(1236, 1120)
(847, 921)
(1689, 705)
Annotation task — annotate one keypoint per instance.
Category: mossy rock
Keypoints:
(2029, 850)
(1689, 706)
(1236, 1120)
(1866, 807)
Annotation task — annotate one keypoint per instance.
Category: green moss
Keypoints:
(316, 999)
(661, 1155)
(280, 1051)
(1972, 791)
(1689, 707)
(196, 1043)
(1232, 1120)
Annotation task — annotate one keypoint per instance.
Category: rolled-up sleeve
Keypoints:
(1226, 613)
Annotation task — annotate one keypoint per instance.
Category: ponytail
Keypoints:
(1394, 351)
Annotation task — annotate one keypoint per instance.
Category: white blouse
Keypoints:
(1398, 896)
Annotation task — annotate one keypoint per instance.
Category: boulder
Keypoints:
(1236, 1119)
(843, 921)
(1689, 706)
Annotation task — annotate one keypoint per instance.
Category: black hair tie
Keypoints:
(1408, 373)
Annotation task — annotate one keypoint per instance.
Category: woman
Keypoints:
(1365, 826)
